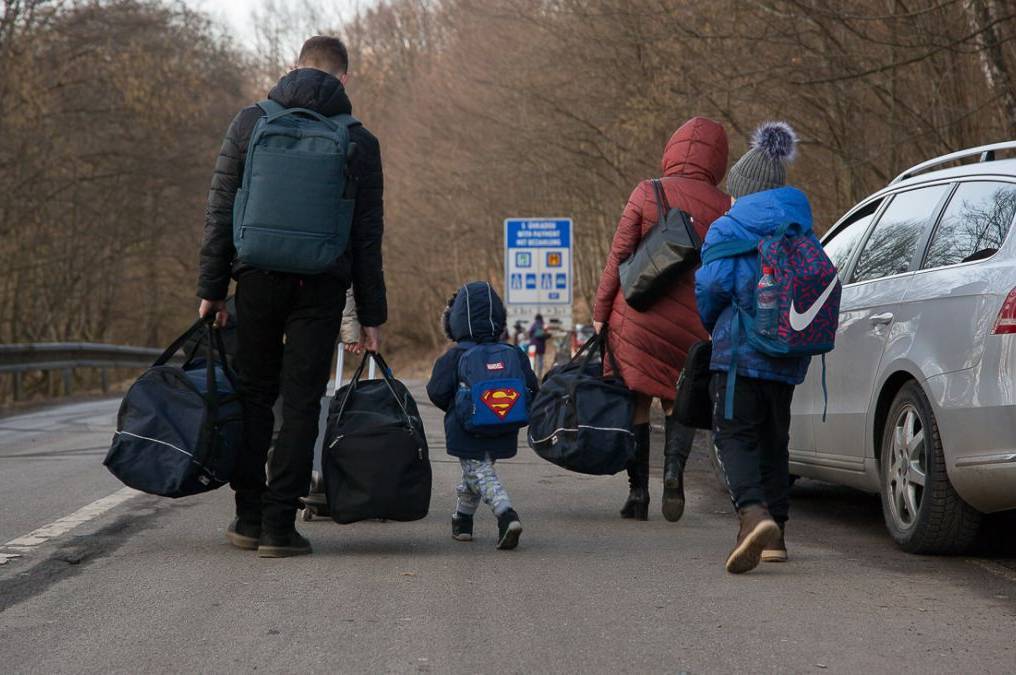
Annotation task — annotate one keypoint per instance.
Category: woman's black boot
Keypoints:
(637, 505)
(675, 456)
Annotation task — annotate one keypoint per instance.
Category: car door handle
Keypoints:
(881, 319)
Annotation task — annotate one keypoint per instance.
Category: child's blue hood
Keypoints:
(762, 213)
(477, 315)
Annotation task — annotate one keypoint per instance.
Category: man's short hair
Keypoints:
(325, 53)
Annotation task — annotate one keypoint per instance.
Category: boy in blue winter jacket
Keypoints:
(753, 443)
(483, 386)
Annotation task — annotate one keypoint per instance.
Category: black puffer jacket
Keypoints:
(361, 264)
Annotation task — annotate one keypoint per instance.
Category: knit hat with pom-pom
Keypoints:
(764, 166)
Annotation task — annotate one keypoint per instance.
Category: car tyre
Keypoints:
(922, 511)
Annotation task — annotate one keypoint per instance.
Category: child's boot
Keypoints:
(462, 526)
(509, 529)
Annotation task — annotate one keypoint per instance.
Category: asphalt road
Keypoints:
(142, 584)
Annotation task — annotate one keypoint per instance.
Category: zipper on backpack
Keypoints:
(337, 439)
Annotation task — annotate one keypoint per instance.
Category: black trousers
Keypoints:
(287, 328)
(753, 443)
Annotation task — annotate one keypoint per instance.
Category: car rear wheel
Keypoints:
(922, 511)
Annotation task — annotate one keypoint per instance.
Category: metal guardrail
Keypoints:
(67, 356)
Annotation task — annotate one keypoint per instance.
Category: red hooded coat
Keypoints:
(651, 346)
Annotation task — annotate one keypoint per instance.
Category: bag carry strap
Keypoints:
(729, 249)
(386, 375)
(587, 350)
(735, 334)
(662, 205)
(175, 346)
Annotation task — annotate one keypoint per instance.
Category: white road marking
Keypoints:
(15, 548)
(996, 569)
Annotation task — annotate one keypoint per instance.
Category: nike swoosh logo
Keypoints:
(800, 321)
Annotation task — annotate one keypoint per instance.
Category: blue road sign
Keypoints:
(538, 270)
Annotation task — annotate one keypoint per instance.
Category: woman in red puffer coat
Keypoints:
(650, 347)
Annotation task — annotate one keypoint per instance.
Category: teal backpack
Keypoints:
(293, 212)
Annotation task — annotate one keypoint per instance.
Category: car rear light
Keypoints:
(1005, 324)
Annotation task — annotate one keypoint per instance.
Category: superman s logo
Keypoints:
(500, 401)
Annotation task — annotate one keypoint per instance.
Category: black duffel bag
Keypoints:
(669, 250)
(693, 406)
(180, 428)
(375, 462)
(581, 420)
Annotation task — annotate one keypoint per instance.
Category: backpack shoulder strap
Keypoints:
(346, 120)
(729, 249)
(270, 107)
(467, 347)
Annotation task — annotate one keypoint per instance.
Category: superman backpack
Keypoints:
(492, 398)
(807, 295)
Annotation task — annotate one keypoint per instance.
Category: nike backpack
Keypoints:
(294, 211)
(492, 398)
(808, 289)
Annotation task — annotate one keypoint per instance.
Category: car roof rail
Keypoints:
(987, 153)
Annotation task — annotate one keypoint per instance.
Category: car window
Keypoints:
(845, 240)
(974, 224)
(893, 242)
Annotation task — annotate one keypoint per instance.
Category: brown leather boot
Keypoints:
(776, 551)
(758, 530)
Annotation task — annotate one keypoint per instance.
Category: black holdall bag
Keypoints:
(375, 462)
(581, 420)
(693, 406)
(669, 250)
(180, 428)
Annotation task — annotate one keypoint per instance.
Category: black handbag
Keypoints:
(375, 461)
(693, 406)
(581, 420)
(671, 248)
(180, 428)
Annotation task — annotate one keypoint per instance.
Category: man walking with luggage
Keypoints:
(303, 180)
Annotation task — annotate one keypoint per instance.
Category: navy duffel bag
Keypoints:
(180, 428)
(581, 420)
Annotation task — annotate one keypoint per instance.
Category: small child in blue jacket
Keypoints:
(475, 319)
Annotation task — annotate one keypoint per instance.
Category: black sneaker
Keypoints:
(243, 535)
(282, 545)
(462, 527)
(509, 529)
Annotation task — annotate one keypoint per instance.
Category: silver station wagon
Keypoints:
(922, 383)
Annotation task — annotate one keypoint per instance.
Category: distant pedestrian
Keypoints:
(753, 442)
(518, 333)
(474, 319)
(538, 337)
(288, 323)
(651, 346)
